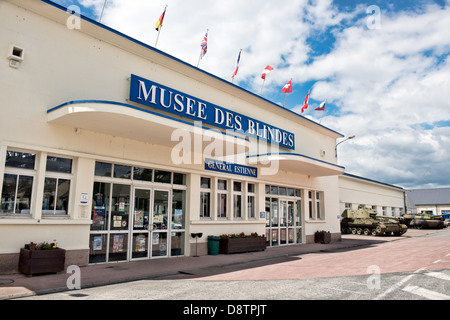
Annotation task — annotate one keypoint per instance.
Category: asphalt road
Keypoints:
(415, 267)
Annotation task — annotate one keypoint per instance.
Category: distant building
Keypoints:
(434, 201)
(385, 199)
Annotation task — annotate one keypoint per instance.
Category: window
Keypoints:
(16, 194)
(318, 206)
(237, 199)
(178, 209)
(163, 176)
(57, 164)
(179, 178)
(315, 205)
(251, 201)
(20, 160)
(103, 169)
(56, 196)
(123, 172)
(221, 198)
(18, 183)
(205, 197)
(310, 205)
(55, 200)
(142, 174)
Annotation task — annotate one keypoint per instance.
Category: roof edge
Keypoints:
(373, 181)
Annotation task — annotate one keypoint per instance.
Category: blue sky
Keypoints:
(385, 75)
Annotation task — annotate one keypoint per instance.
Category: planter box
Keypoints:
(238, 245)
(322, 237)
(41, 261)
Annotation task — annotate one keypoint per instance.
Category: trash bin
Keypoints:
(213, 245)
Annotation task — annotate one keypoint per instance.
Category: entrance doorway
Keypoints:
(158, 224)
(283, 221)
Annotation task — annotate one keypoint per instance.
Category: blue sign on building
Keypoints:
(233, 168)
(152, 94)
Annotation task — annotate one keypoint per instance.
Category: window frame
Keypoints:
(49, 174)
(20, 172)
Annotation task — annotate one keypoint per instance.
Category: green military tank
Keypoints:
(365, 221)
(423, 221)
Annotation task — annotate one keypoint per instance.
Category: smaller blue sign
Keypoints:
(233, 168)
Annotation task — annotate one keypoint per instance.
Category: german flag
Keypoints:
(160, 20)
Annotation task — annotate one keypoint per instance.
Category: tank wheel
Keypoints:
(353, 230)
(374, 232)
(366, 231)
(378, 231)
(359, 231)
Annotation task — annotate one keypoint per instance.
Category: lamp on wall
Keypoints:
(348, 138)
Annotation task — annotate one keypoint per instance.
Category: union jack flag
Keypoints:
(204, 45)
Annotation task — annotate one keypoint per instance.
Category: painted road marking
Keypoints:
(432, 295)
(438, 275)
(398, 284)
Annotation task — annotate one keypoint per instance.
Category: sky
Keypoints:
(383, 68)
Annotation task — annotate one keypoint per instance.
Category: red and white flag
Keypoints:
(321, 107)
(287, 88)
(266, 71)
(305, 104)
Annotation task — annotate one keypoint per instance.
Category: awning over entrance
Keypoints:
(128, 121)
(294, 162)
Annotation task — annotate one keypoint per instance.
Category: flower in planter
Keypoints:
(41, 246)
(240, 235)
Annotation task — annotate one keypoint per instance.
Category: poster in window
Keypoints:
(98, 216)
(117, 221)
(117, 243)
(139, 219)
(155, 239)
(97, 243)
(140, 243)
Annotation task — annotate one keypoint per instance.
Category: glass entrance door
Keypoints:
(141, 222)
(283, 221)
(160, 225)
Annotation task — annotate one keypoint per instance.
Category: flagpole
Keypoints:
(101, 15)
(323, 111)
(157, 38)
(160, 27)
(320, 120)
(264, 80)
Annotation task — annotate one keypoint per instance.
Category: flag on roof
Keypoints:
(237, 65)
(321, 107)
(305, 104)
(160, 20)
(204, 45)
(287, 88)
(266, 71)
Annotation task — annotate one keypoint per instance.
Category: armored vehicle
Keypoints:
(365, 221)
(423, 221)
